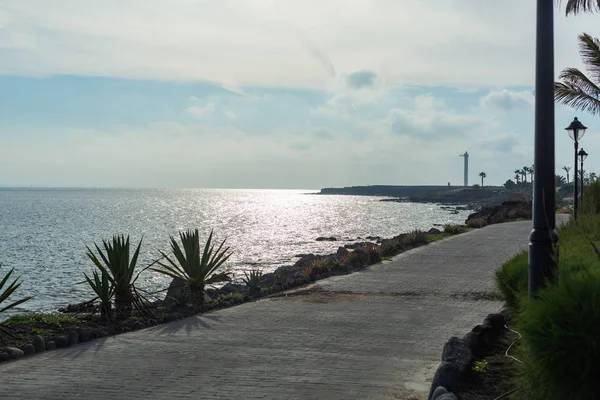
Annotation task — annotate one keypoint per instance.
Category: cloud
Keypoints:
(506, 144)
(201, 112)
(183, 40)
(363, 79)
(429, 119)
(229, 114)
(505, 100)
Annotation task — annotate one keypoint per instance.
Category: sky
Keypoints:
(274, 93)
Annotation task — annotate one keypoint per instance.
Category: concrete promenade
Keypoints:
(374, 334)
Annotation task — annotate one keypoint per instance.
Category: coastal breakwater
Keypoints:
(427, 193)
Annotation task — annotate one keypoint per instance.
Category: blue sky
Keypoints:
(272, 93)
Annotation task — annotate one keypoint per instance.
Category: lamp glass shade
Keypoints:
(576, 130)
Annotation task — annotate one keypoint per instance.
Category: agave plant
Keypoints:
(192, 267)
(6, 293)
(105, 291)
(252, 279)
(118, 268)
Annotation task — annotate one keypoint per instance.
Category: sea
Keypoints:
(44, 232)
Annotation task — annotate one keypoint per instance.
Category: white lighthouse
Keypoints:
(466, 157)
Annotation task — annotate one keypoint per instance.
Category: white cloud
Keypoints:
(429, 119)
(201, 112)
(505, 100)
(230, 114)
(256, 42)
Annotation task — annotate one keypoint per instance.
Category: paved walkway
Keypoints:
(375, 334)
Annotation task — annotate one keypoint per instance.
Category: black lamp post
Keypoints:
(543, 238)
(582, 156)
(576, 131)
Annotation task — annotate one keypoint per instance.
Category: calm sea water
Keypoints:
(43, 232)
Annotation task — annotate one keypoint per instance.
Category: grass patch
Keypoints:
(51, 319)
(560, 329)
(436, 237)
(455, 229)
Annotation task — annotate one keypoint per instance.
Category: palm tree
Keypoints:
(567, 169)
(559, 181)
(531, 171)
(578, 6)
(518, 176)
(576, 89)
(524, 174)
(482, 175)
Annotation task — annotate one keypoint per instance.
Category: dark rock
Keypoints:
(226, 304)
(50, 345)
(473, 341)
(433, 231)
(13, 352)
(448, 376)
(87, 307)
(179, 292)
(28, 350)
(277, 289)
(439, 391)
(212, 293)
(124, 329)
(342, 252)
(457, 351)
(373, 238)
(137, 325)
(233, 288)
(61, 342)
(84, 335)
(301, 255)
(4, 356)
(267, 280)
(102, 333)
(447, 396)
(497, 321)
(38, 344)
(326, 239)
(73, 338)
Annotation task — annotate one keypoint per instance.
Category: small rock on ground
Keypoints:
(39, 344)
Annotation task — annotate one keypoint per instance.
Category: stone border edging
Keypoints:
(80, 335)
(459, 354)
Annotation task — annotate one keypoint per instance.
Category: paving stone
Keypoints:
(366, 335)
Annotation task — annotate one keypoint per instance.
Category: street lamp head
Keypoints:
(582, 155)
(576, 130)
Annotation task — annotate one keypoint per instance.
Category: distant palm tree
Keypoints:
(531, 172)
(518, 176)
(482, 175)
(576, 89)
(567, 169)
(578, 6)
(524, 174)
(559, 181)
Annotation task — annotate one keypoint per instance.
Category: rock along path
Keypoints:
(374, 334)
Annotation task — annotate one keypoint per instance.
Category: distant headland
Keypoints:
(426, 193)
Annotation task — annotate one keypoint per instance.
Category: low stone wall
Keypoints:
(459, 354)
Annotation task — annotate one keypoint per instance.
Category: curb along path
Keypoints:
(374, 334)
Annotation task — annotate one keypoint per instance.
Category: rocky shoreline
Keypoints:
(35, 333)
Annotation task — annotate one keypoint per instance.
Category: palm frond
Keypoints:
(589, 51)
(575, 96)
(581, 6)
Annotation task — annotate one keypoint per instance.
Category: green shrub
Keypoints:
(53, 319)
(560, 348)
(454, 229)
(511, 280)
(415, 237)
(252, 279)
(591, 199)
(320, 265)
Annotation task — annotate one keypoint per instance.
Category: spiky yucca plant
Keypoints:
(118, 268)
(105, 291)
(6, 293)
(195, 268)
(252, 279)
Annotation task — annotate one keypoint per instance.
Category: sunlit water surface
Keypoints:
(43, 232)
